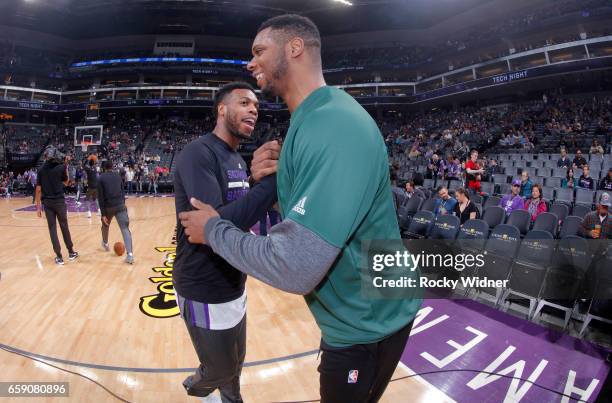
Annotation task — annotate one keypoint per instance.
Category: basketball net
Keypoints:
(84, 146)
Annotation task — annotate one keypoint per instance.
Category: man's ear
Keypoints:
(296, 47)
(221, 109)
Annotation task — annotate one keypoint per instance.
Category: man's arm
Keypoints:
(197, 173)
(38, 202)
(291, 258)
(65, 177)
(100, 188)
(247, 210)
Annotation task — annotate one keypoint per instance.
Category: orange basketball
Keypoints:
(119, 248)
(93, 157)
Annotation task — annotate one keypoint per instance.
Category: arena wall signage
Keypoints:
(502, 79)
(159, 60)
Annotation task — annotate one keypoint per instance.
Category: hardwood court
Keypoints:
(87, 314)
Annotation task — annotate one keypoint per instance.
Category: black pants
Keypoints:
(221, 354)
(56, 209)
(360, 373)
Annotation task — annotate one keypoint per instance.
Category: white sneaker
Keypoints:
(105, 246)
(88, 214)
(99, 213)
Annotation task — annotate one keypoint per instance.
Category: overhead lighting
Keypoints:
(345, 2)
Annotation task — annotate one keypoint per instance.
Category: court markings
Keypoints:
(150, 370)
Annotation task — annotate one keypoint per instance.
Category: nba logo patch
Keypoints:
(353, 375)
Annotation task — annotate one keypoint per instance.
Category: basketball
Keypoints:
(119, 248)
(93, 157)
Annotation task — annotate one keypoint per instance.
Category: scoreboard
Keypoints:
(92, 112)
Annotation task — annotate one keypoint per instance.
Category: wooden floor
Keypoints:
(87, 313)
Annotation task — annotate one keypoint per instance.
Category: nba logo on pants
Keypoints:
(352, 377)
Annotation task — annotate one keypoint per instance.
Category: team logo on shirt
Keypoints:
(299, 207)
(353, 375)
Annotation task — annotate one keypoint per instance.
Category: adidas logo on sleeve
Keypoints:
(299, 207)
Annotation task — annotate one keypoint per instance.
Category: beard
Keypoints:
(277, 74)
(233, 126)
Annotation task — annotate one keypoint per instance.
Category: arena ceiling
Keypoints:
(83, 19)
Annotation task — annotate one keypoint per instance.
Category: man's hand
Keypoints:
(265, 160)
(105, 220)
(38, 210)
(194, 221)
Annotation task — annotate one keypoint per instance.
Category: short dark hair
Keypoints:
(440, 188)
(226, 90)
(293, 25)
(108, 165)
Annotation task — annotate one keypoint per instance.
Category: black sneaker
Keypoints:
(73, 255)
(59, 260)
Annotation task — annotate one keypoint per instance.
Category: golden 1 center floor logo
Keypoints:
(162, 304)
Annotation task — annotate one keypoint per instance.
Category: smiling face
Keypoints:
(269, 65)
(239, 111)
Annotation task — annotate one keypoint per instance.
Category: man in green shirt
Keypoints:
(334, 193)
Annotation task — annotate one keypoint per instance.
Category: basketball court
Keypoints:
(118, 325)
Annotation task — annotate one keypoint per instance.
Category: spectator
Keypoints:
(585, 181)
(526, 185)
(153, 178)
(606, 183)
(129, 177)
(474, 172)
(418, 181)
(569, 182)
(513, 201)
(493, 168)
(444, 204)
(411, 191)
(598, 224)
(464, 208)
(452, 168)
(564, 161)
(536, 205)
(435, 167)
(596, 148)
(579, 160)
